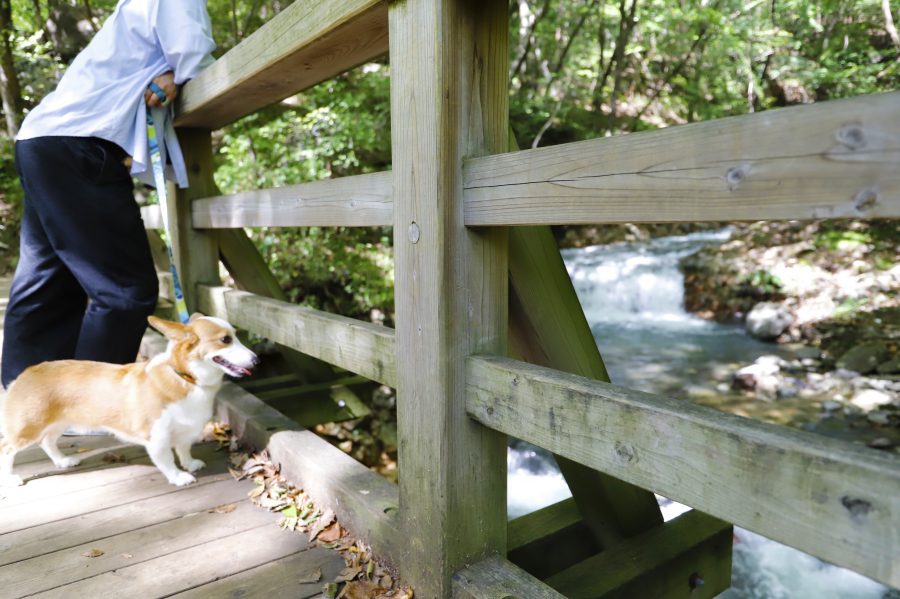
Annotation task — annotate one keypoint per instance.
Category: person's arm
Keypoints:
(184, 32)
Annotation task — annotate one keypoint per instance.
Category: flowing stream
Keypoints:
(633, 296)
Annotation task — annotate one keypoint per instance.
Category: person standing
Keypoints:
(85, 281)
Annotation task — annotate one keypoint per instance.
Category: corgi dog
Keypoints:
(161, 404)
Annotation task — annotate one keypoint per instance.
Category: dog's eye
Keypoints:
(226, 339)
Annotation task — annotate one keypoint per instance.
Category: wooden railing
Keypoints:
(451, 196)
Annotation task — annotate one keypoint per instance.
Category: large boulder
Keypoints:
(768, 320)
(865, 357)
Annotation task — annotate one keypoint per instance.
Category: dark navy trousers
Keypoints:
(85, 282)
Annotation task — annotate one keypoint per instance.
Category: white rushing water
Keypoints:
(633, 296)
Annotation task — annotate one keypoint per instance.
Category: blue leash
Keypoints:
(159, 177)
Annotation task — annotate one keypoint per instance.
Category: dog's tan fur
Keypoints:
(128, 400)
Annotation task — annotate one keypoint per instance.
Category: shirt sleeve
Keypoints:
(185, 36)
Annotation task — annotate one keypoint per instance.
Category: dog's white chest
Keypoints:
(188, 416)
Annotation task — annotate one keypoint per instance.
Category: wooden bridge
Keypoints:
(490, 338)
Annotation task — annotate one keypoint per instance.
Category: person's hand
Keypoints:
(166, 82)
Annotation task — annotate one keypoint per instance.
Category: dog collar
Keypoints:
(189, 378)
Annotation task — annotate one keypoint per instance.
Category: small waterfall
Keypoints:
(633, 297)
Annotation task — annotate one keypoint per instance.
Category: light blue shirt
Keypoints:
(102, 92)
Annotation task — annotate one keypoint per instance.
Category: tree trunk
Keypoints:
(10, 92)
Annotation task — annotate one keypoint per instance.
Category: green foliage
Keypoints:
(764, 282)
(339, 128)
(10, 206)
(579, 69)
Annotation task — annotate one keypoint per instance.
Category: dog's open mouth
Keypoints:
(231, 368)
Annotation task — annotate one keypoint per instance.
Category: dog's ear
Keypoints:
(172, 330)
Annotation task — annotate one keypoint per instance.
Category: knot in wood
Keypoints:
(736, 175)
(865, 199)
(851, 137)
(627, 453)
(413, 232)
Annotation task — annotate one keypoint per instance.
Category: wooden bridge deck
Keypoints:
(150, 539)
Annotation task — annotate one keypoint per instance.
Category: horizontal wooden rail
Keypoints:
(496, 578)
(365, 503)
(829, 160)
(687, 557)
(306, 43)
(826, 497)
(360, 347)
(359, 201)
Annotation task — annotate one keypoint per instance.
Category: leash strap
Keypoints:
(153, 136)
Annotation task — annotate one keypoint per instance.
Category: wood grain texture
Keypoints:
(360, 347)
(837, 159)
(826, 497)
(84, 528)
(279, 578)
(550, 539)
(365, 503)
(359, 201)
(548, 328)
(196, 254)
(666, 562)
(449, 100)
(306, 43)
(496, 578)
(189, 567)
(250, 272)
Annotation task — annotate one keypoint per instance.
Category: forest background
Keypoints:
(579, 69)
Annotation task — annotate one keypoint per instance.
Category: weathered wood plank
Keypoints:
(359, 201)
(549, 540)
(279, 578)
(189, 567)
(143, 482)
(687, 557)
(360, 347)
(829, 160)
(84, 446)
(195, 252)
(67, 566)
(826, 497)
(449, 100)
(209, 491)
(251, 273)
(306, 43)
(496, 578)
(548, 328)
(365, 503)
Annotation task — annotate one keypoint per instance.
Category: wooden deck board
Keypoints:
(279, 578)
(157, 539)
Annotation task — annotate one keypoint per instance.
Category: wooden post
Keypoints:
(196, 253)
(448, 102)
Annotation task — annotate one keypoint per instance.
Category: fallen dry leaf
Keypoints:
(361, 589)
(93, 553)
(314, 576)
(319, 525)
(331, 534)
(82, 450)
(113, 458)
(223, 509)
(348, 574)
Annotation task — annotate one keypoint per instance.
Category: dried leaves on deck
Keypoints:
(363, 577)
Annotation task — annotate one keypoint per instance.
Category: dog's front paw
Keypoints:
(193, 465)
(181, 478)
(11, 480)
(67, 462)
